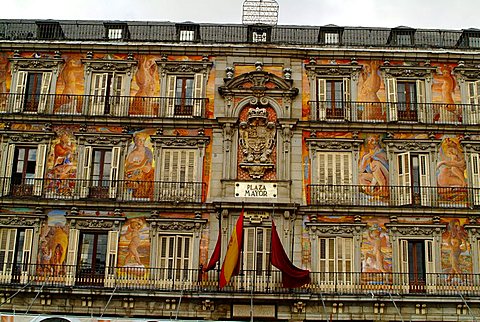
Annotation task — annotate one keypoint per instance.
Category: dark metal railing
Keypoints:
(139, 106)
(117, 190)
(248, 281)
(216, 33)
(429, 113)
(363, 195)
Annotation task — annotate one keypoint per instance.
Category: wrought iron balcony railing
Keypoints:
(120, 106)
(388, 196)
(116, 190)
(428, 113)
(256, 281)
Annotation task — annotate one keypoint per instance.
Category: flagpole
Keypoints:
(219, 263)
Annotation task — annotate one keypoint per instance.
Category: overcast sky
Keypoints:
(435, 14)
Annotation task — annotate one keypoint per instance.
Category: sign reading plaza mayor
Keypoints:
(255, 190)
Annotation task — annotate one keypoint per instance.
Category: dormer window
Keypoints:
(188, 32)
(330, 35)
(116, 31)
(259, 34)
(469, 38)
(49, 30)
(402, 36)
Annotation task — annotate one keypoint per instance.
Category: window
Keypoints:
(330, 35)
(175, 257)
(475, 176)
(403, 36)
(259, 34)
(31, 91)
(94, 256)
(49, 30)
(23, 169)
(187, 35)
(188, 32)
(117, 31)
(333, 97)
(335, 259)
(108, 92)
(406, 99)
(333, 177)
(331, 38)
(179, 176)
(417, 263)
(15, 253)
(185, 95)
(256, 253)
(472, 112)
(98, 172)
(413, 179)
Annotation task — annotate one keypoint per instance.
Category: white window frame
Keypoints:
(429, 264)
(8, 245)
(402, 193)
(321, 97)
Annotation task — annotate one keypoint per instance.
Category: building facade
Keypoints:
(128, 148)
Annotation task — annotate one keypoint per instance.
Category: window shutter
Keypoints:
(111, 259)
(403, 260)
(475, 171)
(19, 94)
(421, 106)
(114, 172)
(73, 237)
(44, 92)
(39, 169)
(249, 249)
(170, 104)
(7, 248)
(321, 99)
(322, 168)
(347, 98)
(430, 263)
(473, 113)
(118, 99)
(392, 98)
(425, 190)
(184, 250)
(8, 166)
(27, 250)
(85, 169)
(98, 92)
(403, 192)
(198, 102)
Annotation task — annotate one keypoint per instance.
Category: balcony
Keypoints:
(118, 106)
(383, 112)
(112, 190)
(392, 196)
(249, 281)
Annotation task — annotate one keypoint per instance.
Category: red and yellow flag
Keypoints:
(231, 263)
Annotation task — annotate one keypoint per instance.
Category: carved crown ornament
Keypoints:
(29, 137)
(184, 67)
(19, 221)
(180, 141)
(331, 144)
(415, 230)
(411, 145)
(33, 63)
(102, 223)
(110, 139)
(335, 229)
(109, 65)
(333, 70)
(258, 83)
(467, 71)
(408, 71)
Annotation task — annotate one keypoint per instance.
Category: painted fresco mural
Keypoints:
(134, 245)
(451, 170)
(446, 91)
(373, 168)
(369, 85)
(53, 244)
(139, 166)
(62, 164)
(456, 250)
(376, 248)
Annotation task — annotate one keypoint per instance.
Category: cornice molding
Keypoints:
(329, 144)
(20, 63)
(180, 141)
(109, 139)
(109, 65)
(332, 70)
(176, 225)
(415, 229)
(335, 228)
(29, 137)
(412, 145)
(102, 223)
(183, 67)
(408, 71)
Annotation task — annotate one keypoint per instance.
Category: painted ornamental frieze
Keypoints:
(257, 141)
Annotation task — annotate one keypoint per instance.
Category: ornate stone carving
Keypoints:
(332, 70)
(467, 71)
(411, 145)
(95, 224)
(31, 137)
(165, 224)
(256, 217)
(109, 65)
(333, 144)
(102, 139)
(16, 221)
(257, 140)
(36, 63)
(408, 71)
(184, 67)
(335, 229)
(185, 141)
(415, 230)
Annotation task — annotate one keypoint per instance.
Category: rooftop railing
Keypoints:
(101, 189)
(119, 106)
(139, 278)
(225, 33)
(388, 196)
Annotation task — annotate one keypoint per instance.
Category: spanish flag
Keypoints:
(231, 263)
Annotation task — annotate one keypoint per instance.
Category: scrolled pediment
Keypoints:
(411, 145)
(332, 70)
(184, 67)
(177, 225)
(36, 63)
(109, 65)
(18, 221)
(180, 141)
(110, 139)
(103, 223)
(408, 71)
(333, 144)
(33, 137)
(471, 72)
(335, 228)
(415, 230)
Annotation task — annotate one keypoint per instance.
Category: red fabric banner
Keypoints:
(231, 263)
(215, 255)
(292, 276)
